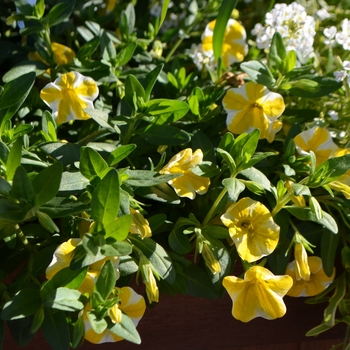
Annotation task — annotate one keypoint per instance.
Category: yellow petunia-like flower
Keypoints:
(253, 106)
(317, 140)
(189, 183)
(251, 228)
(131, 304)
(139, 224)
(301, 267)
(62, 54)
(234, 47)
(63, 256)
(317, 283)
(68, 95)
(259, 294)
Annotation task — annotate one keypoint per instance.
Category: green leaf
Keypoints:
(151, 79)
(100, 117)
(234, 188)
(119, 228)
(198, 283)
(108, 51)
(17, 90)
(165, 7)
(226, 8)
(72, 183)
(78, 332)
(66, 153)
(165, 111)
(105, 199)
(158, 257)
(133, 90)
(228, 159)
(64, 299)
(23, 68)
(257, 176)
(329, 245)
(88, 49)
(22, 188)
(259, 73)
(146, 178)
(65, 277)
(14, 159)
(318, 330)
(60, 12)
(336, 298)
(5, 187)
(161, 193)
(47, 183)
(310, 86)
(24, 303)
(98, 324)
(120, 153)
(106, 280)
(92, 164)
(125, 55)
(306, 214)
(216, 232)
(55, 329)
(46, 222)
(179, 242)
(126, 329)
(11, 211)
(164, 135)
(277, 52)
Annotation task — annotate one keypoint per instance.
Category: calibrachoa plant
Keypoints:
(151, 147)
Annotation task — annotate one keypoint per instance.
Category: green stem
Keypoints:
(92, 136)
(214, 206)
(280, 205)
(129, 132)
(347, 336)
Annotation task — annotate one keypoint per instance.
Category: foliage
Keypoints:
(169, 141)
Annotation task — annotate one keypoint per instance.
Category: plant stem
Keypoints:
(214, 206)
(346, 339)
(283, 202)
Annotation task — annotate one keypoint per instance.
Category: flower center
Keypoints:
(257, 105)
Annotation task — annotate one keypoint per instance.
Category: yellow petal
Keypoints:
(252, 229)
(317, 283)
(62, 54)
(258, 295)
(301, 268)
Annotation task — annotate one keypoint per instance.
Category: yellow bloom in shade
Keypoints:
(62, 54)
(301, 267)
(152, 290)
(259, 294)
(131, 304)
(139, 224)
(210, 260)
(251, 228)
(63, 256)
(234, 47)
(317, 140)
(189, 183)
(68, 95)
(253, 106)
(317, 283)
(343, 183)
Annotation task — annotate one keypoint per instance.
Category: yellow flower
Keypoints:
(210, 260)
(259, 294)
(317, 283)
(68, 95)
(301, 267)
(343, 183)
(253, 106)
(251, 228)
(131, 304)
(234, 47)
(152, 290)
(189, 183)
(63, 256)
(317, 140)
(139, 224)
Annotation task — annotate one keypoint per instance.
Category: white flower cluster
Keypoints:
(344, 73)
(295, 26)
(202, 58)
(342, 37)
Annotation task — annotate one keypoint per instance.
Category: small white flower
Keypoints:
(322, 14)
(340, 75)
(333, 114)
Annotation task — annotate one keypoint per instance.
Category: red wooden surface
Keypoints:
(185, 322)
